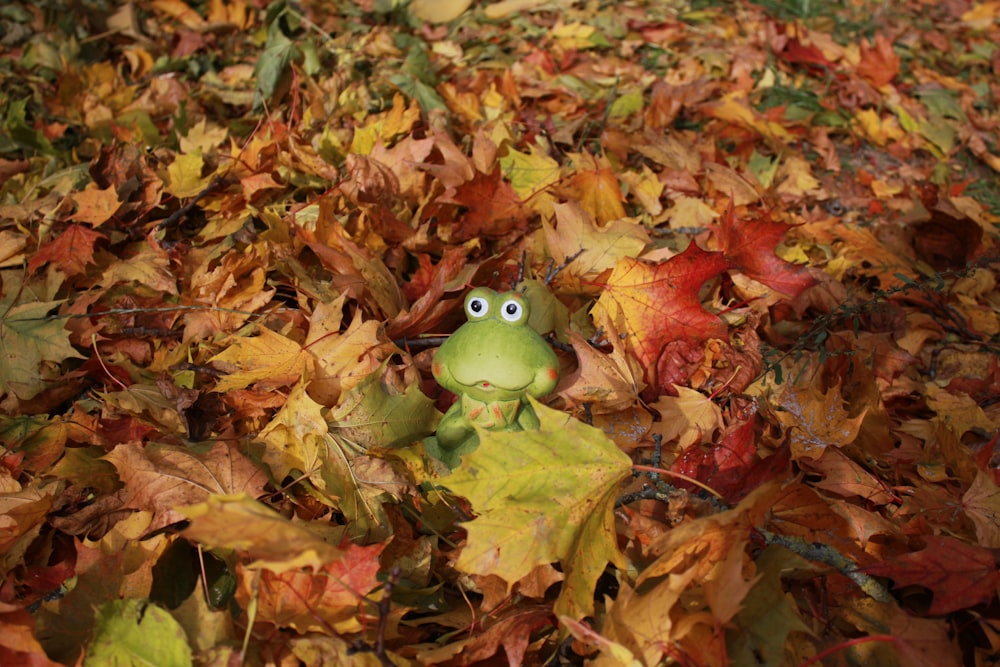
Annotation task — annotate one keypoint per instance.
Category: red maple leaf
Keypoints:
(492, 207)
(960, 575)
(879, 64)
(659, 303)
(731, 467)
(749, 247)
(71, 251)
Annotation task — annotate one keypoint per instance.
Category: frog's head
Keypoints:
(496, 356)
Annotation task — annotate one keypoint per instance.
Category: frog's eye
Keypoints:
(477, 307)
(512, 310)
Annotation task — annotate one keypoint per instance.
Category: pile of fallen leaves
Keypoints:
(761, 237)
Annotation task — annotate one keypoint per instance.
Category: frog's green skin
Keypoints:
(492, 362)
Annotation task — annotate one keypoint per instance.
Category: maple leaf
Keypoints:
(95, 206)
(492, 207)
(29, 339)
(268, 359)
(371, 414)
(657, 304)
(879, 63)
(959, 575)
(270, 540)
(593, 248)
(327, 599)
(556, 486)
(817, 420)
(161, 478)
(690, 416)
(597, 192)
(130, 632)
(767, 617)
(749, 246)
(72, 250)
(643, 623)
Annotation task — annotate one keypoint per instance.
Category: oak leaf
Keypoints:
(542, 496)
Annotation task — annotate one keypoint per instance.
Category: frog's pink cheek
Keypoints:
(553, 374)
(436, 370)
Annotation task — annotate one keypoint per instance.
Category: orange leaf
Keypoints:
(879, 64)
(71, 251)
(96, 206)
(817, 420)
(598, 192)
(327, 600)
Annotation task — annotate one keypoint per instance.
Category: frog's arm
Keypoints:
(454, 428)
(527, 419)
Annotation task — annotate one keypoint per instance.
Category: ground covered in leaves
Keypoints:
(762, 238)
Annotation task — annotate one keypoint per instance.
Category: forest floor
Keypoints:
(760, 237)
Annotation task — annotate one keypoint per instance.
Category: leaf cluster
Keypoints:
(762, 238)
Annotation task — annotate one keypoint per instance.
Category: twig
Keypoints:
(828, 555)
(175, 217)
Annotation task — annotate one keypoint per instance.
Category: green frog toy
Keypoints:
(492, 363)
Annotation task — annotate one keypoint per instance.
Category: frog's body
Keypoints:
(492, 362)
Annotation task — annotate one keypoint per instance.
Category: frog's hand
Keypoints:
(454, 429)
(546, 379)
(527, 418)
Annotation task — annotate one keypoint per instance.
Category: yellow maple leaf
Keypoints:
(184, 177)
(601, 247)
(689, 417)
(268, 359)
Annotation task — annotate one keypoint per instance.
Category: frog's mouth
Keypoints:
(483, 385)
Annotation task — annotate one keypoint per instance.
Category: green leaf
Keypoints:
(543, 496)
(136, 632)
(416, 89)
(27, 339)
(372, 414)
(23, 135)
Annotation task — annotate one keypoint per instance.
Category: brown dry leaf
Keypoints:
(982, 505)
(161, 478)
(608, 382)
(816, 420)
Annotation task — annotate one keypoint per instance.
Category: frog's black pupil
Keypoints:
(476, 306)
(511, 308)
